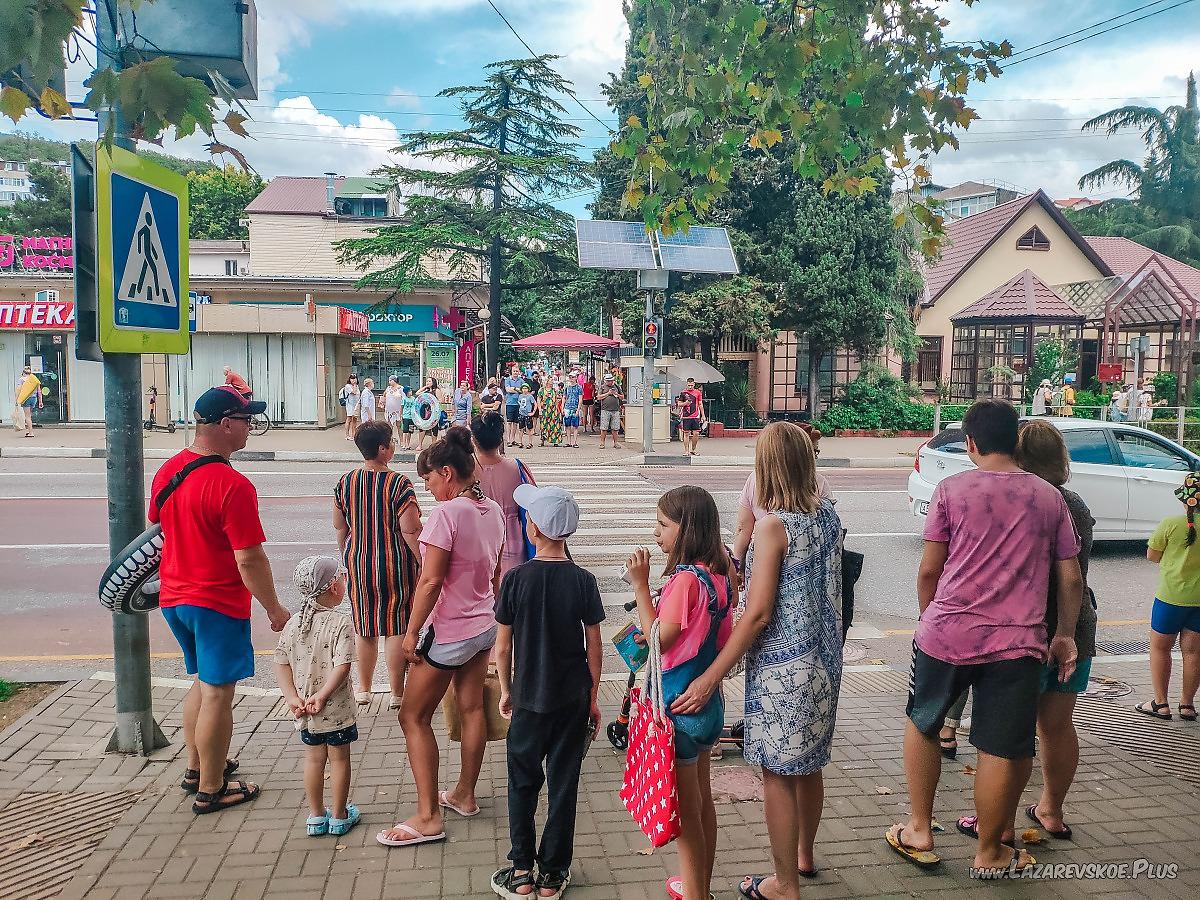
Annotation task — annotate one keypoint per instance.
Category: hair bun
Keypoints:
(459, 436)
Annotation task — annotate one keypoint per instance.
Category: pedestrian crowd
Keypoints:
(480, 608)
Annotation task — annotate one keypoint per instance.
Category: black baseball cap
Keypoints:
(216, 403)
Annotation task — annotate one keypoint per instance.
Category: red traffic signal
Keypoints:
(650, 330)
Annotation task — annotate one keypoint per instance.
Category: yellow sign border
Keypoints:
(132, 340)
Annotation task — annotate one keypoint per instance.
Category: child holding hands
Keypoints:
(312, 665)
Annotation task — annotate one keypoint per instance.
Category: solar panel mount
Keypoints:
(611, 244)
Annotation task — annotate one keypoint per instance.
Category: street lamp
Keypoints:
(484, 315)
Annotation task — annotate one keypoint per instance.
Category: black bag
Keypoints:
(852, 566)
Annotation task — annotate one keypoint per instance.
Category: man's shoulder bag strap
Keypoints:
(178, 477)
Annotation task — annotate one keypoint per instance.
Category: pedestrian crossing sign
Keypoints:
(141, 255)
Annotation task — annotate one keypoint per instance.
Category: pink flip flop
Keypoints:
(442, 801)
(415, 837)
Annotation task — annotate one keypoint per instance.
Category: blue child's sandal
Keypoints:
(318, 825)
(341, 826)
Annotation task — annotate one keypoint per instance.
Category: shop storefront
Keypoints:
(400, 343)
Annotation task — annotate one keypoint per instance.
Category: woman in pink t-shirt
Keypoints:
(499, 476)
(451, 630)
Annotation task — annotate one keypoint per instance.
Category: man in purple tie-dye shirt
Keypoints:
(993, 537)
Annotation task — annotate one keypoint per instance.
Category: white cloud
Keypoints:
(402, 99)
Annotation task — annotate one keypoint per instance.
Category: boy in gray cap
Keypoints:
(312, 665)
(548, 619)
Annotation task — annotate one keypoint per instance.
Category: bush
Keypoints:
(1090, 398)
(6, 689)
(878, 400)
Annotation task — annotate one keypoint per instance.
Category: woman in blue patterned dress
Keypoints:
(791, 635)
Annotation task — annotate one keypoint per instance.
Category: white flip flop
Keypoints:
(442, 801)
(417, 837)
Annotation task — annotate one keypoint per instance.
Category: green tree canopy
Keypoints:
(479, 201)
(47, 211)
(217, 200)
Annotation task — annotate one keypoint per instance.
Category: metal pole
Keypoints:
(937, 418)
(185, 371)
(647, 387)
(136, 731)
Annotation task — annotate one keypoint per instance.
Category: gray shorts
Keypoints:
(610, 419)
(457, 654)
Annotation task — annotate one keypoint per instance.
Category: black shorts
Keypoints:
(589, 402)
(689, 424)
(512, 414)
(1004, 715)
(526, 423)
(406, 426)
(338, 738)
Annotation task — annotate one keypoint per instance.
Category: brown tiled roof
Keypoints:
(288, 195)
(966, 189)
(967, 239)
(1023, 297)
(1125, 257)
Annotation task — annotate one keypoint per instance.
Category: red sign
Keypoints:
(36, 315)
(466, 363)
(1111, 372)
(353, 322)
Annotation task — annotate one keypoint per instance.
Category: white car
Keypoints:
(1126, 475)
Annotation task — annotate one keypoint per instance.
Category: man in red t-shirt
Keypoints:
(238, 383)
(212, 562)
(691, 417)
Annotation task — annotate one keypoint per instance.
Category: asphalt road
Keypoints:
(53, 534)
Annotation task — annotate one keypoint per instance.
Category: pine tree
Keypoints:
(478, 200)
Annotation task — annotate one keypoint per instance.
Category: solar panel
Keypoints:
(701, 249)
(607, 244)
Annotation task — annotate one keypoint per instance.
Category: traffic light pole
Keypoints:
(136, 731)
(647, 382)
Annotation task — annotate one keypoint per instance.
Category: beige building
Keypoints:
(217, 258)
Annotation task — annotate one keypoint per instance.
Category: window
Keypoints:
(1033, 239)
(950, 440)
(1141, 452)
(1088, 446)
(231, 267)
(929, 361)
(46, 296)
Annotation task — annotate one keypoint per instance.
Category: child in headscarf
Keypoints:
(312, 665)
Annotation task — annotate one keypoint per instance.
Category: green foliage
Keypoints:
(47, 211)
(1084, 399)
(729, 307)
(1168, 180)
(7, 689)
(1166, 387)
(488, 187)
(1052, 358)
(153, 95)
(25, 147)
(1138, 222)
(878, 400)
(218, 199)
(722, 77)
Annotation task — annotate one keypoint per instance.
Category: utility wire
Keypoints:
(1062, 37)
(1097, 34)
(535, 53)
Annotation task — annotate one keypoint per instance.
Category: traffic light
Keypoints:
(651, 334)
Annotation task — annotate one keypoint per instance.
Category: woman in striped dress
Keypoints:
(378, 521)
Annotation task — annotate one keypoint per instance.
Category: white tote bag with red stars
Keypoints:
(649, 791)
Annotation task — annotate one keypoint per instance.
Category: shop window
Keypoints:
(1033, 239)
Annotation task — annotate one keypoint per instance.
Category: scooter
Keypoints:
(150, 424)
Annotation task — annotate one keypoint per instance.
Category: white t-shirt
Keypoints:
(350, 395)
(366, 405)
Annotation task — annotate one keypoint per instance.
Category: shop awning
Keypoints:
(565, 339)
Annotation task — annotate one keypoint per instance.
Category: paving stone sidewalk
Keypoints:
(79, 824)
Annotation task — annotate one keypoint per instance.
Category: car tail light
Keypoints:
(917, 461)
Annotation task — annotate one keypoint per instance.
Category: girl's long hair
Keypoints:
(699, 543)
(785, 470)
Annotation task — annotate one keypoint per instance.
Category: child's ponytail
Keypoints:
(1189, 494)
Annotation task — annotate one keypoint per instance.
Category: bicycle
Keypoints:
(260, 425)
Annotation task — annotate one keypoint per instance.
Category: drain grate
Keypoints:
(1122, 647)
(1172, 749)
(45, 838)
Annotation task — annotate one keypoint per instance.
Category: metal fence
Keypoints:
(1179, 423)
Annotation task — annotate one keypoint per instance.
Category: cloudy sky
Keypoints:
(339, 82)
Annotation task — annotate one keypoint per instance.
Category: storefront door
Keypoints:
(379, 361)
(44, 353)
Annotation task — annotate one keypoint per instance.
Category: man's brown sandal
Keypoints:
(212, 802)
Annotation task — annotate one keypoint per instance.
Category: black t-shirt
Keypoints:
(547, 604)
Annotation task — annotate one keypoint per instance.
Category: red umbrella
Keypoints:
(565, 338)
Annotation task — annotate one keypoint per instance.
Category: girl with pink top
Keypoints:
(693, 625)
(451, 631)
(499, 476)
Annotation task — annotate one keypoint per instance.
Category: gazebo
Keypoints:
(996, 334)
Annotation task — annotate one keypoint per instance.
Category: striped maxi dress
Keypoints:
(382, 569)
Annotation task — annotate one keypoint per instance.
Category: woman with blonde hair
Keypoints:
(791, 636)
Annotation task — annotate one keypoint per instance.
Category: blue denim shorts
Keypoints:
(339, 738)
(695, 734)
(216, 647)
(1076, 684)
